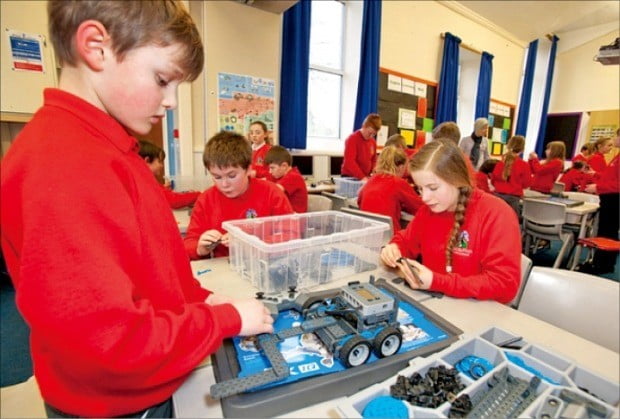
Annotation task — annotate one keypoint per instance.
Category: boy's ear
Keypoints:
(92, 43)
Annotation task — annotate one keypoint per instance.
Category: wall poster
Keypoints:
(243, 100)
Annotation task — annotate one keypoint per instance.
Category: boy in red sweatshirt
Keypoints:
(117, 322)
(287, 178)
(360, 149)
(468, 241)
(154, 157)
(234, 196)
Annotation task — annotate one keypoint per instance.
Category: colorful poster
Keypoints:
(420, 139)
(497, 149)
(243, 100)
(408, 134)
(422, 104)
(507, 123)
(427, 125)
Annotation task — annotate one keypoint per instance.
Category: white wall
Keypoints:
(582, 84)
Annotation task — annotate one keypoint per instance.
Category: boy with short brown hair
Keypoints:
(117, 320)
(235, 195)
(287, 177)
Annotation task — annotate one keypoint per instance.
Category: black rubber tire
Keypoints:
(387, 342)
(355, 352)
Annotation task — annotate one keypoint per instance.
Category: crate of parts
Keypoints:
(303, 250)
(492, 374)
(348, 186)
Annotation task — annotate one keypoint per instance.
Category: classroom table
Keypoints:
(182, 217)
(320, 187)
(471, 316)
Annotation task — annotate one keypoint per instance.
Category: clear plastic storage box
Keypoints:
(348, 186)
(565, 389)
(303, 250)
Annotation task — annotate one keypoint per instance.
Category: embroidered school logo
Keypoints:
(463, 240)
(251, 213)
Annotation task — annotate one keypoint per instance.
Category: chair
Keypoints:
(526, 267)
(319, 203)
(545, 220)
(373, 216)
(574, 228)
(338, 201)
(582, 304)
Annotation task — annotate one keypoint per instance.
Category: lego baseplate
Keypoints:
(295, 395)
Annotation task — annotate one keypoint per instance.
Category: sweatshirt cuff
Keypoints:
(228, 318)
(439, 281)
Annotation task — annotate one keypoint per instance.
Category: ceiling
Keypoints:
(574, 22)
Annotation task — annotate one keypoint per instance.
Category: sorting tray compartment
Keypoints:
(568, 377)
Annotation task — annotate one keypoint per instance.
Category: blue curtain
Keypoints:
(526, 89)
(294, 75)
(540, 142)
(368, 82)
(484, 85)
(448, 80)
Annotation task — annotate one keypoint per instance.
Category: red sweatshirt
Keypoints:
(520, 178)
(180, 199)
(573, 179)
(360, 156)
(258, 160)
(580, 157)
(482, 182)
(261, 199)
(389, 195)
(117, 321)
(295, 188)
(608, 181)
(545, 174)
(597, 162)
(486, 264)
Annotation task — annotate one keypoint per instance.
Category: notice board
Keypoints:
(407, 107)
(501, 126)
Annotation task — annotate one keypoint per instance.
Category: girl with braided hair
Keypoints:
(467, 242)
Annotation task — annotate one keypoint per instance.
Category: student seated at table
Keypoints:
(449, 130)
(575, 178)
(483, 175)
(154, 157)
(399, 141)
(586, 152)
(235, 195)
(597, 161)
(512, 174)
(386, 192)
(545, 174)
(468, 242)
(259, 138)
(288, 178)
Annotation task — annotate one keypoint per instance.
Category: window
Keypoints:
(325, 77)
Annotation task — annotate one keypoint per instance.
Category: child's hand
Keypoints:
(217, 299)
(390, 255)
(422, 278)
(533, 155)
(208, 241)
(255, 317)
(591, 188)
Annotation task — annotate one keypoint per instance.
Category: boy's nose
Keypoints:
(170, 100)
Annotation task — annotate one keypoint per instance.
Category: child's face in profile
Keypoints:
(278, 170)
(257, 134)
(138, 90)
(230, 181)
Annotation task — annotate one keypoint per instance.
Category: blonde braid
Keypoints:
(459, 218)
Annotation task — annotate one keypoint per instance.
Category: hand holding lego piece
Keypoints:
(208, 241)
(390, 254)
(255, 318)
(417, 275)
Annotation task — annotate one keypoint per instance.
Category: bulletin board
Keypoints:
(407, 107)
(501, 122)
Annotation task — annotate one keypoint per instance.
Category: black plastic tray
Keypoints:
(286, 398)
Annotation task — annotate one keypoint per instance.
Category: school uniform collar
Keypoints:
(105, 126)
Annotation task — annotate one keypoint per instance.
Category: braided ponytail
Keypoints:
(459, 219)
